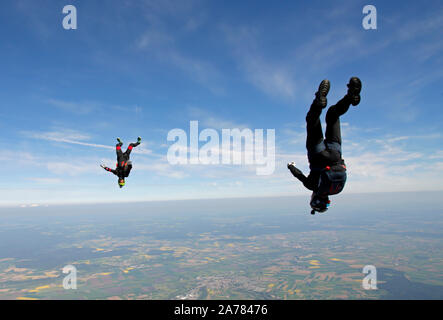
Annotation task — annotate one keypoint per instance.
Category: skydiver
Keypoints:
(124, 165)
(328, 170)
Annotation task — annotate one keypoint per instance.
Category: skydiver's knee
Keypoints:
(310, 118)
(331, 116)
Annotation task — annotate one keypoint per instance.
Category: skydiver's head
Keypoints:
(319, 203)
(121, 183)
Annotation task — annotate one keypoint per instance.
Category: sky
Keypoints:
(143, 68)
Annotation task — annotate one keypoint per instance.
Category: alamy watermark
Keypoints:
(70, 20)
(70, 281)
(370, 281)
(236, 147)
(370, 19)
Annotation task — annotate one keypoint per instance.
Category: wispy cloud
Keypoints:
(65, 136)
(273, 78)
(162, 36)
(160, 167)
(419, 27)
(213, 121)
(200, 71)
(71, 168)
(80, 108)
(77, 138)
(152, 39)
(35, 19)
(21, 158)
(46, 180)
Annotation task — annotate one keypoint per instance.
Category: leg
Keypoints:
(333, 131)
(118, 149)
(313, 127)
(130, 147)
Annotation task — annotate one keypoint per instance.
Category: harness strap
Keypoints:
(327, 168)
(122, 164)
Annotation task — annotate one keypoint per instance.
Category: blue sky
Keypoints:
(145, 67)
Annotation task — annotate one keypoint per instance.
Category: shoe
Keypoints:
(119, 141)
(139, 139)
(320, 95)
(354, 88)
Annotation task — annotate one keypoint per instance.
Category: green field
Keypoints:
(258, 255)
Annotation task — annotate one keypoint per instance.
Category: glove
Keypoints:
(296, 172)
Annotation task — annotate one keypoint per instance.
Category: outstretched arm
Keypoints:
(108, 169)
(300, 176)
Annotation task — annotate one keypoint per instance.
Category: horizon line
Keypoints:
(47, 204)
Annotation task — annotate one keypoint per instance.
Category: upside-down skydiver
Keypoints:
(124, 165)
(328, 169)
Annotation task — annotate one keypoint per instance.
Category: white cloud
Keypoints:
(151, 39)
(273, 78)
(210, 120)
(419, 27)
(161, 39)
(437, 155)
(200, 71)
(161, 168)
(77, 138)
(20, 158)
(80, 108)
(46, 180)
(33, 205)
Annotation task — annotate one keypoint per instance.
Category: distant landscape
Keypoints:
(267, 248)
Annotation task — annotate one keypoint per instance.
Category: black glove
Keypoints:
(294, 170)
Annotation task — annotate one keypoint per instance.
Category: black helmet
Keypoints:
(319, 203)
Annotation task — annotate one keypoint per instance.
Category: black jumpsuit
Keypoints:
(124, 166)
(322, 152)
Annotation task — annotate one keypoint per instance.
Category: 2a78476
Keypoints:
(242, 309)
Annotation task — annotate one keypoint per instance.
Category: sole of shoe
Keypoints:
(323, 90)
(354, 89)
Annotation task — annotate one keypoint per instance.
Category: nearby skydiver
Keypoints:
(124, 165)
(328, 169)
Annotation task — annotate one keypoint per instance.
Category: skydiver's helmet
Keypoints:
(121, 183)
(319, 203)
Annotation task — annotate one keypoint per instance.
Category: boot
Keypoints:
(354, 88)
(320, 95)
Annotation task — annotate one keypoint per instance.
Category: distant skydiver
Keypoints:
(124, 165)
(328, 170)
